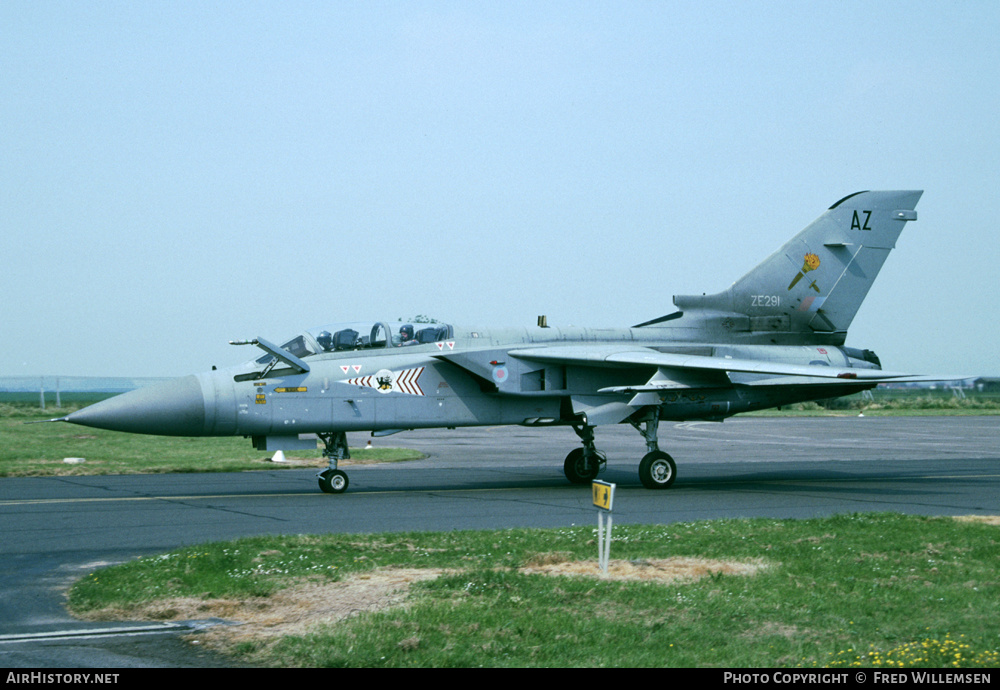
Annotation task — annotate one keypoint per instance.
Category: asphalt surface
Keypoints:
(56, 530)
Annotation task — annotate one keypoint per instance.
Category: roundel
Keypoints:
(500, 374)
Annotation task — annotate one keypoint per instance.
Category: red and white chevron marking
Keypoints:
(408, 381)
(405, 381)
(368, 381)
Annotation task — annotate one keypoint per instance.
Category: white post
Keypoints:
(600, 542)
(607, 544)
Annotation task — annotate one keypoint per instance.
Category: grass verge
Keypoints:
(39, 449)
(881, 590)
(892, 403)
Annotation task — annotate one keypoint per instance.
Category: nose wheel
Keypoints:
(332, 480)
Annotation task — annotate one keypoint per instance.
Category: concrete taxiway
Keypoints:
(58, 529)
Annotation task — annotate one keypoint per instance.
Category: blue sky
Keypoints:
(174, 175)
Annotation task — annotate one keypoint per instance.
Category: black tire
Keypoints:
(573, 467)
(333, 482)
(657, 470)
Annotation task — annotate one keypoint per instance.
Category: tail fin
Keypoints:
(814, 285)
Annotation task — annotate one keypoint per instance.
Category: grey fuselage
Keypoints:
(467, 379)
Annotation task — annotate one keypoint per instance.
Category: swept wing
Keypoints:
(675, 370)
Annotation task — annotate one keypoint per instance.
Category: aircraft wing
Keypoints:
(686, 371)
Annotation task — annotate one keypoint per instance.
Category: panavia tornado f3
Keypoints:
(775, 337)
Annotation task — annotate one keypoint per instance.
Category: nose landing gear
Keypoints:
(332, 480)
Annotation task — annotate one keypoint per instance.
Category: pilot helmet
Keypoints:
(325, 340)
(406, 332)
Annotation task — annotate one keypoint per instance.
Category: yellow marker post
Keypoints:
(604, 498)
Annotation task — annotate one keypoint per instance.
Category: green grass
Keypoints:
(71, 400)
(889, 402)
(875, 590)
(39, 450)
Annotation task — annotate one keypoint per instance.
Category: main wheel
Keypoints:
(657, 470)
(333, 482)
(574, 468)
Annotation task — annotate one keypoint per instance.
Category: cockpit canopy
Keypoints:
(363, 335)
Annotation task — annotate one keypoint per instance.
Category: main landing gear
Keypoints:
(584, 464)
(656, 469)
(332, 480)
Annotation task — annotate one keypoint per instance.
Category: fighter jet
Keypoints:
(775, 337)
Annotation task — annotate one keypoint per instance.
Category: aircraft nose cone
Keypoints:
(170, 408)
